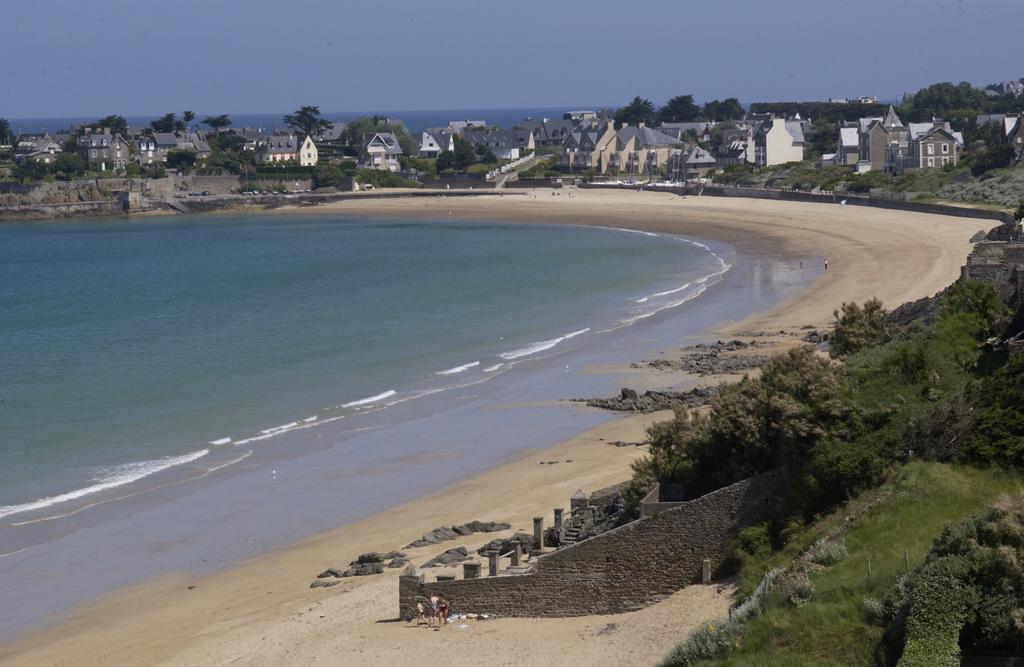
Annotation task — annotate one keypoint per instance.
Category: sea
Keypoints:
(181, 393)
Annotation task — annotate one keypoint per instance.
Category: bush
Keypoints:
(827, 552)
(704, 643)
(857, 327)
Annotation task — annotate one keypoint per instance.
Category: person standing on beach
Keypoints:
(826, 263)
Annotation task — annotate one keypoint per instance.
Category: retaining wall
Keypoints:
(624, 569)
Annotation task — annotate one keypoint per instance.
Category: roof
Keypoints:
(699, 156)
(166, 139)
(796, 130)
(99, 140)
(891, 119)
(848, 137)
(386, 139)
(277, 144)
(334, 132)
(647, 137)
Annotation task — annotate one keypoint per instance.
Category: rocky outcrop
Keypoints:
(449, 557)
(629, 400)
(444, 533)
(706, 359)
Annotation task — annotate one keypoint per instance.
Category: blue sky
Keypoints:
(136, 57)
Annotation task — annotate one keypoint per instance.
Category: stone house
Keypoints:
(36, 148)
(277, 148)
(435, 141)
(104, 150)
(148, 152)
(931, 145)
(643, 150)
(589, 147)
(308, 154)
(381, 151)
(701, 130)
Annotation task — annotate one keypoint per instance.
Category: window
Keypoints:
(945, 161)
(945, 149)
(931, 162)
(931, 149)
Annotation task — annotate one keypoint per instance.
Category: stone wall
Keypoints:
(624, 569)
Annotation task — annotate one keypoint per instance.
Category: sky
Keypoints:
(68, 58)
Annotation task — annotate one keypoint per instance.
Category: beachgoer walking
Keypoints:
(826, 263)
(420, 616)
(435, 604)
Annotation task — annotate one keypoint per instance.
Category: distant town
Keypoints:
(954, 142)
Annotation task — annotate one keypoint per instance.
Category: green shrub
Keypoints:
(857, 327)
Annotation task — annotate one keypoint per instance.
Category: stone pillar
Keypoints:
(517, 554)
(705, 572)
(559, 513)
(471, 570)
(492, 563)
(408, 587)
(538, 532)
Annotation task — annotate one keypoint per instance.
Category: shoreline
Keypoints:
(892, 254)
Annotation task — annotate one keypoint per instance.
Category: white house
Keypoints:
(308, 154)
(779, 141)
(435, 142)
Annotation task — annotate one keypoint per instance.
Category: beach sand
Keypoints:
(262, 612)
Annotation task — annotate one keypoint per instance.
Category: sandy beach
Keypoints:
(263, 612)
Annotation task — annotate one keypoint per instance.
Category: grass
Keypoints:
(904, 515)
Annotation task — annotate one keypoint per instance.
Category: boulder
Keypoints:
(504, 545)
(391, 555)
(450, 557)
(628, 394)
(369, 557)
(324, 583)
(463, 529)
(397, 562)
(330, 572)
(363, 569)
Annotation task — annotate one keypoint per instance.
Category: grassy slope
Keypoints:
(904, 514)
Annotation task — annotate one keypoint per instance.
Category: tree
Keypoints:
(727, 109)
(227, 142)
(679, 109)
(640, 110)
(858, 327)
(165, 123)
(5, 131)
(306, 121)
(177, 159)
(67, 166)
(188, 117)
(485, 154)
(218, 123)
(116, 123)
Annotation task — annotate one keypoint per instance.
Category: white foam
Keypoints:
(270, 433)
(671, 291)
(370, 399)
(643, 300)
(459, 369)
(309, 419)
(119, 476)
(634, 231)
(491, 369)
(220, 441)
(540, 346)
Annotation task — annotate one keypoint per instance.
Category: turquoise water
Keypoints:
(127, 347)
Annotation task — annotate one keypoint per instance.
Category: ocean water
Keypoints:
(130, 348)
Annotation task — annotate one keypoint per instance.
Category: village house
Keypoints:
(381, 151)
(435, 141)
(505, 144)
(932, 144)
(148, 152)
(701, 130)
(308, 154)
(548, 131)
(778, 141)
(848, 152)
(883, 142)
(589, 147)
(693, 162)
(104, 151)
(634, 150)
(277, 148)
(36, 148)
